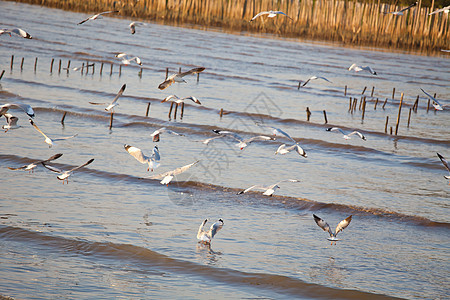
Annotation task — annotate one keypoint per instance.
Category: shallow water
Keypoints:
(109, 233)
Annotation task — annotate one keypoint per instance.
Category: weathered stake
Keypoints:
(68, 66)
(375, 106)
(35, 64)
(21, 64)
(167, 73)
(416, 104)
(82, 69)
(364, 108)
(373, 89)
(198, 77)
(101, 69)
(386, 125)
(364, 90)
(93, 69)
(391, 130)
(308, 114)
(393, 93)
(59, 67)
(120, 70)
(175, 112)
(350, 104)
(148, 109)
(110, 72)
(409, 116)
(1, 76)
(384, 104)
(170, 109)
(221, 113)
(63, 117)
(345, 91)
(51, 65)
(325, 116)
(182, 110)
(12, 61)
(428, 105)
(399, 112)
(111, 121)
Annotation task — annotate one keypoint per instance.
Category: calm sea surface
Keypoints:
(110, 234)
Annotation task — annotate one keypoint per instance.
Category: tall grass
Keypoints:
(349, 22)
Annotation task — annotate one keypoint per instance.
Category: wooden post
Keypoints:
(373, 89)
(360, 103)
(35, 64)
(148, 109)
(325, 116)
(68, 66)
(364, 90)
(416, 104)
(350, 104)
(87, 67)
(399, 112)
(111, 121)
(364, 108)
(140, 73)
(167, 73)
(391, 130)
(179, 70)
(393, 93)
(21, 64)
(375, 106)
(63, 117)
(198, 77)
(120, 70)
(355, 102)
(345, 91)
(1, 76)
(386, 125)
(385, 101)
(409, 116)
(308, 114)
(93, 68)
(170, 110)
(428, 105)
(221, 113)
(299, 84)
(82, 69)
(110, 72)
(101, 69)
(182, 109)
(12, 61)
(51, 65)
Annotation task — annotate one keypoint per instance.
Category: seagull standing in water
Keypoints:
(205, 237)
(25, 107)
(152, 161)
(11, 122)
(347, 136)
(400, 12)
(114, 102)
(94, 17)
(64, 175)
(168, 176)
(362, 68)
(30, 167)
(445, 163)
(435, 103)
(18, 31)
(177, 100)
(178, 77)
(270, 14)
(268, 190)
(155, 135)
(50, 142)
(324, 225)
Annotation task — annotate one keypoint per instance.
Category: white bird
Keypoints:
(324, 225)
(178, 77)
(30, 167)
(400, 12)
(25, 107)
(346, 136)
(242, 142)
(174, 98)
(445, 163)
(444, 50)
(268, 190)
(283, 149)
(152, 161)
(94, 17)
(114, 102)
(64, 175)
(168, 176)
(270, 14)
(11, 122)
(18, 31)
(445, 10)
(126, 59)
(361, 68)
(51, 142)
(155, 135)
(133, 25)
(435, 103)
(313, 78)
(206, 236)
(79, 68)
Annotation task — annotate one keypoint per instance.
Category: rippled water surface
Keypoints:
(109, 233)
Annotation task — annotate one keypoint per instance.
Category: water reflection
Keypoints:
(329, 272)
(207, 254)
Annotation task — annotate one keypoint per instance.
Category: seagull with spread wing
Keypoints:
(242, 143)
(64, 175)
(270, 14)
(178, 77)
(50, 142)
(133, 25)
(445, 10)
(345, 135)
(177, 100)
(362, 68)
(168, 176)
(400, 12)
(114, 102)
(25, 107)
(434, 102)
(152, 161)
(268, 190)
(11, 122)
(283, 149)
(205, 237)
(313, 78)
(324, 225)
(18, 31)
(97, 16)
(445, 163)
(30, 167)
(126, 59)
(155, 135)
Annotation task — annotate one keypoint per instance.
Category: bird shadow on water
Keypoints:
(329, 271)
(177, 190)
(206, 254)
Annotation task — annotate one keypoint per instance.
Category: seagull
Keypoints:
(174, 98)
(283, 149)
(270, 14)
(114, 102)
(324, 225)
(436, 104)
(18, 31)
(11, 122)
(360, 68)
(346, 136)
(30, 167)
(133, 25)
(65, 174)
(168, 176)
(156, 133)
(50, 142)
(206, 236)
(242, 142)
(445, 163)
(313, 78)
(152, 161)
(126, 60)
(94, 17)
(79, 68)
(444, 10)
(178, 77)
(25, 107)
(400, 12)
(268, 190)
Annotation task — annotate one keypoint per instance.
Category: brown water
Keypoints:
(109, 234)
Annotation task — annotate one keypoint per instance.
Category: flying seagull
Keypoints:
(30, 167)
(126, 60)
(178, 77)
(283, 149)
(133, 25)
(444, 10)
(65, 174)
(11, 122)
(361, 68)
(114, 102)
(242, 142)
(400, 12)
(155, 135)
(346, 136)
(324, 225)
(174, 98)
(79, 68)
(313, 78)
(268, 190)
(168, 176)
(270, 14)
(436, 104)
(50, 142)
(18, 31)
(94, 17)
(152, 161)
(206, 236)
(25, 107)
(445, 163)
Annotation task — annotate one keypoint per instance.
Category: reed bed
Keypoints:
(348, 22)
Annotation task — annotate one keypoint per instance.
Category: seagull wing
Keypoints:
(444, 161)
(276, 131)
(137, 154)
(342, 225)
(206, 142)
(299, 150)
(258, 138)
(56, 156)
(37, 128)
(173, 132)
(352, 67)
(155, 154)
(192, 98)
(108, 12)
(52, 168)
(166, 83)
(358, 133)
(432, 98)
(406, 8)
(168, 98)
(122, 89)
(192, 71)
(215, 228)
(83, 165)
(98, 103)
(322, 224)
(256, 186)
(260, 14)
(200, 229)
(324, 78)
(336, 129)
(174, 172)
(306, 82)
(85, 20)
(65, 138)
(22, 33)
(25, 107)
(11, 120)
